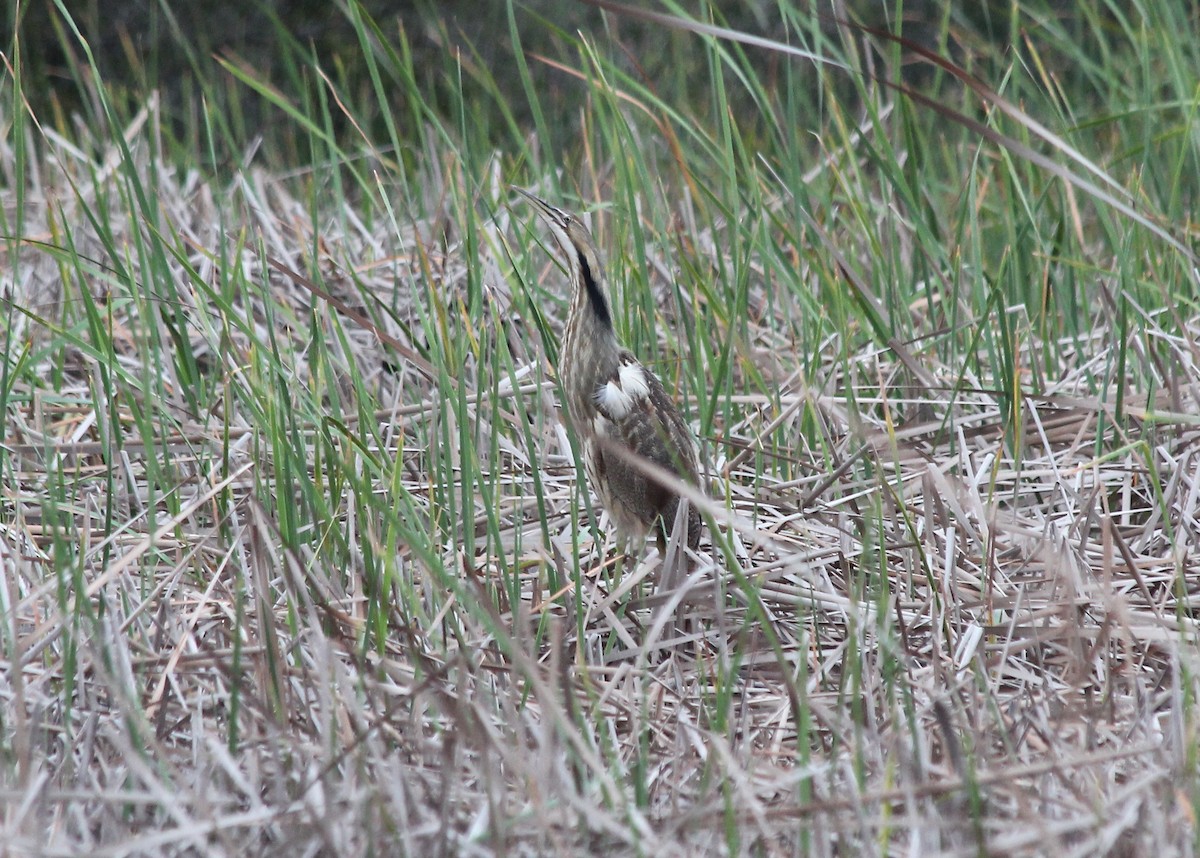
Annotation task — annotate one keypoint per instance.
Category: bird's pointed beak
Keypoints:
(554, 215)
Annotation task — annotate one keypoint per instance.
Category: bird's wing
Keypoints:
(634, 413)
(634, 410)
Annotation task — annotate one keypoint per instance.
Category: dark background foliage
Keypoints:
(166, 45)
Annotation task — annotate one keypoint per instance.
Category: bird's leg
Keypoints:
(672, 551)
(677, 566)
(625, 540)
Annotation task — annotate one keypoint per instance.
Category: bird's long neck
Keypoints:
(591, 285)
(590, 352)
(590, 317)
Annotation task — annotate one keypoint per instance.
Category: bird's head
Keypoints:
(583, 259)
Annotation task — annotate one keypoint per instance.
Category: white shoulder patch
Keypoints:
(617, 398)
(613, 400)
(633, 381)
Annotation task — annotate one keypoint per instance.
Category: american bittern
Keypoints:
(617, 407)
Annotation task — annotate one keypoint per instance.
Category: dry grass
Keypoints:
(936, 620)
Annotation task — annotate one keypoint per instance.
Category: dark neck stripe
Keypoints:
(595, 295)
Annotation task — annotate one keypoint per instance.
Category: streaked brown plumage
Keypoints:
(617, 406)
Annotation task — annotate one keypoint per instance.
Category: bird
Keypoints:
(617, 407)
